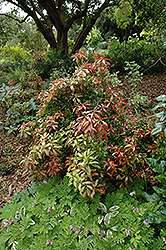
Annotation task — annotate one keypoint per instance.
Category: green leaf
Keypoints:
(102, 207)
(33, 104)
(152, 162)
(153, 198)
(107, 219)
(159, 105)
(100, 219)
(114, 208)
(156, 130)
(163, 210)
(109, 233)
(114, 228)
(161, 98)
(159, 167)
(113, 214)
(161, 115)
(90, 238)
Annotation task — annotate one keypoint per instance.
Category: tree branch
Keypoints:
(41, 14)
(159, 60)
(52, 11)
(14, 18)
(88, 26)
(78, 15)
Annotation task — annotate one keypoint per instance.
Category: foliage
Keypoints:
(161, 125)
(123, 14)
(13, 54)
(94, 38)
(145, 53)
(16, 64)
(8, 30)
(134, 77)
(131, 17)
(60, 17)
(29, 37)
(51, 64)
(66, 100)
(149, 12)
(158, 164)
(18, 103)
(81, 130)
(56, 217)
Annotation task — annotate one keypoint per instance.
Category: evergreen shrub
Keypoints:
(82, 129)
(143, 52)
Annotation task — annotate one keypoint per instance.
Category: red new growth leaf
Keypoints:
(91, 124)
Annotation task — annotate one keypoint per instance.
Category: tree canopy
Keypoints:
(132, 16)
(54, 18)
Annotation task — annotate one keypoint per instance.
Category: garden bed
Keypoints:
(14, 177)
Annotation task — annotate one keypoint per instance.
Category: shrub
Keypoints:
(46, 63)
(14, 54)
(134, 78)
(158, 163)
(85, 118)
(18, 104)
(94, 38)
(143, 52)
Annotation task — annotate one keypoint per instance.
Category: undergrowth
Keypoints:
(56, 217)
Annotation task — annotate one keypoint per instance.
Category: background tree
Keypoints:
(60, 15)
(24, 34)
(131, 17)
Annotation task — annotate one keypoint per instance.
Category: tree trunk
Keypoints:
(48, 35)
(87, 27)
(56, 17)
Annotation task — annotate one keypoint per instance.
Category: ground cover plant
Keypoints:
(56, 217)
(87, 142)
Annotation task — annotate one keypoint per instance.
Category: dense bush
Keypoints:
(144, 52)
(46, 63)
(82, 130)
(18, 103)
(84, 140)
(14, 61)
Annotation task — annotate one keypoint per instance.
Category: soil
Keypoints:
(15, 177)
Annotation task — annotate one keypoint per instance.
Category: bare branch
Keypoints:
(159, 60)
(14, 18)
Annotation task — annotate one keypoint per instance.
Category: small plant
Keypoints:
(94, 38)
(137, 99)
